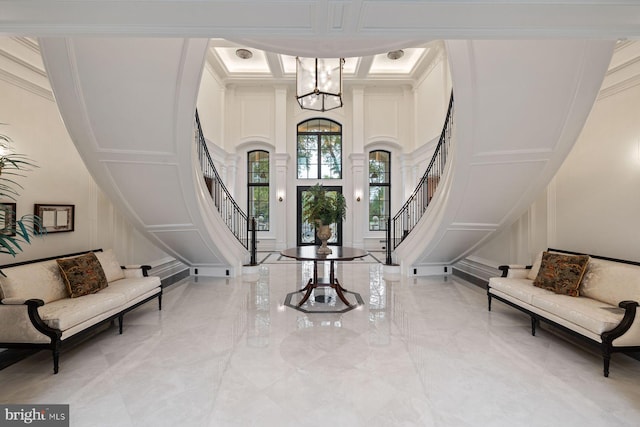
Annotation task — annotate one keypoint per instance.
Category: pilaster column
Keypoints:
(229, 173)
(358, 119)
(229, 104)
(359, 211)
(280, 117)
(409, 180)
(282, 197)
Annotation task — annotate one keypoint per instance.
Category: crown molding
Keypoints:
(619, 87)
(26, 85)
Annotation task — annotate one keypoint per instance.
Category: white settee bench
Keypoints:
(603, 311)
(38, 310)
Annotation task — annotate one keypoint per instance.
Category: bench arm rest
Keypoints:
(21, 323)
(131, 271)
(627, 333)
(515, 271)
(13, 301)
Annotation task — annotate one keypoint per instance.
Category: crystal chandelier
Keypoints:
(319, 83)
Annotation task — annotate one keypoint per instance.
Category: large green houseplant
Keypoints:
(13, 231)
(322, 208)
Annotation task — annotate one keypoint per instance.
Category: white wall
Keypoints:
(597, 205)
(35, 126)
(592, 204)
(211, 107)
(432, 101)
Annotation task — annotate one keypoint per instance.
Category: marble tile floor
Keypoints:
(420, 352)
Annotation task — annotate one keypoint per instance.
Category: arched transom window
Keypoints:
(319, 153)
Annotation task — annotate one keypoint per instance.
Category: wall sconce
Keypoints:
(358, 196)
(280, 199)
(281, 196)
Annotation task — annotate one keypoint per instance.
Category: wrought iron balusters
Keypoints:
(415, 206)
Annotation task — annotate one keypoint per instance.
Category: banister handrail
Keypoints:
(408, 216)
(233, 216)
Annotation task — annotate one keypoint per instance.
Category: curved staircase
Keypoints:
(519, 108)
(129, 106)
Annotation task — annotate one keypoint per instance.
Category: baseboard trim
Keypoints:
(175, 278)
(478, 281)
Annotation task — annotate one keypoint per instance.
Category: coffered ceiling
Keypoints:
(21, 64)
(227, 59)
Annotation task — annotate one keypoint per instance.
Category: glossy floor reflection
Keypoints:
(419, 352)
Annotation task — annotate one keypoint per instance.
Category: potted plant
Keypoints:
(323, 208)
(14, 231)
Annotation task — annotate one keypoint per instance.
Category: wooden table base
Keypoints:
(311, 285)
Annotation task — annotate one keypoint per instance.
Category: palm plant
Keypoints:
(21, 230)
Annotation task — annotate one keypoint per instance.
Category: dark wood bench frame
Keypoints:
(606, 346)
(55, 334)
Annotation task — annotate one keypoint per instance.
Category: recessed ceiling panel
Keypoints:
(234, 63)
(495, 190)
(191, 246)
(382, 64)
(448, 248)
(289, 65)
(136, 181)
(107, 80)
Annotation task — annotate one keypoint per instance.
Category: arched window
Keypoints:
(319, 153)
(258, 188)
(379, 189)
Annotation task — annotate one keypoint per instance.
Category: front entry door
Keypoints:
(307, 232)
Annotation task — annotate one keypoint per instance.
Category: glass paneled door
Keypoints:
(307, 232)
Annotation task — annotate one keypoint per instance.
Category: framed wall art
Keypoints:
(8, 219)
(55, 218)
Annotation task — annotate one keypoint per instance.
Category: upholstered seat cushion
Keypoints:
(132, 288)
(595, 316)
(66, 313)
(521, 289)
(40, 280)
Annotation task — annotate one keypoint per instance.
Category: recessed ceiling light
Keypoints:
(244, 53)
(395, 54)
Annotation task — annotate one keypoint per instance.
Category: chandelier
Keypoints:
(319, 83)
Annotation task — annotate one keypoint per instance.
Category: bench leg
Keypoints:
(120, 322)
(160, 302)
(534, 321)
(55, 352)
(489, 300)
(606, 358)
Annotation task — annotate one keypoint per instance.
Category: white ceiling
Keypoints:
(362, 31)
(326, 28)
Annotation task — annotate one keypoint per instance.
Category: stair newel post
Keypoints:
(254, 241)
(389, 243)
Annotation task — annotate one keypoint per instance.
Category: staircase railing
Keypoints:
(399, 227)
(231, 213)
